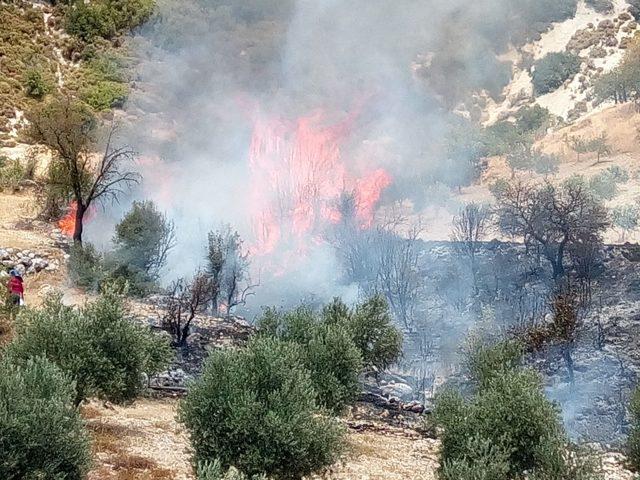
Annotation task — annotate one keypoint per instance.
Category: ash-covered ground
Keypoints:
(513, 291)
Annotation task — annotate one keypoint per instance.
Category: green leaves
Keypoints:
(255, 408)
(99, 346)
(41, 435)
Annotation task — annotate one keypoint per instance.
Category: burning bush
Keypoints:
(255, 408)
(508, 427)
(41, 435)
(327, 351)
(98, 345)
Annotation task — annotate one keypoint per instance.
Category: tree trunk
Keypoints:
(79, 226)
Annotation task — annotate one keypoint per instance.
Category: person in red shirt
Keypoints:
(16, 288)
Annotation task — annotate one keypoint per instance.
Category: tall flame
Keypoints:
(298, 176)
(68, 223)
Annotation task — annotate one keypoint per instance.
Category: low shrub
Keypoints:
(551, 71)
(327, 351)
(372, 329)
(41, 435)
(86, 267)
(507, 427)
(12, 172)
(36, 85)
(604, 186)
(214, 471)
(103, 350)
(255, 409)
(105, 95)
(633, 441)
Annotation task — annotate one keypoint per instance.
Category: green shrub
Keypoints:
(484, 361)
(11, 174)
(532, 119)
(106, 18)
(601, 6)
(255, 409)
(620, 174)
(86, 268)
(544, 163)
(89, 20)
(327, 351)
(509, 414)
(481, 461)
(105, 95)
(604, 186)
(41, 434)
(633, 441)
(371, 328)
(551, 71)
(214, 471)
(104, 351)
(36, 85)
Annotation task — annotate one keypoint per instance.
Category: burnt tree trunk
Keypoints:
(79, 223)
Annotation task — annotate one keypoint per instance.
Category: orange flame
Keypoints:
(297, 177)
(67, 224)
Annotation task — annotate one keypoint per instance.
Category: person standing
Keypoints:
(16, 288)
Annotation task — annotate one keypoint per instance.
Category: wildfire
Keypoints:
(68, 223)
(298, 176)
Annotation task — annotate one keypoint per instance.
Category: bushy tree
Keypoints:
(41, 434)
(99, 345)
(327, 350)
(255, 408)
(105, 18)
(371, 327)
(506, 428)
(551, 71)
(69, 128)
(604, 186)
(142, 242)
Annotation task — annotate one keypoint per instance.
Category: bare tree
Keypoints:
(228, 270)
(398, 275)
(68, 128)
(469, 228)
(184, 301)
(553, 218)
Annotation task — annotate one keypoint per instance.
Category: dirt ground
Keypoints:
(144, 441)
